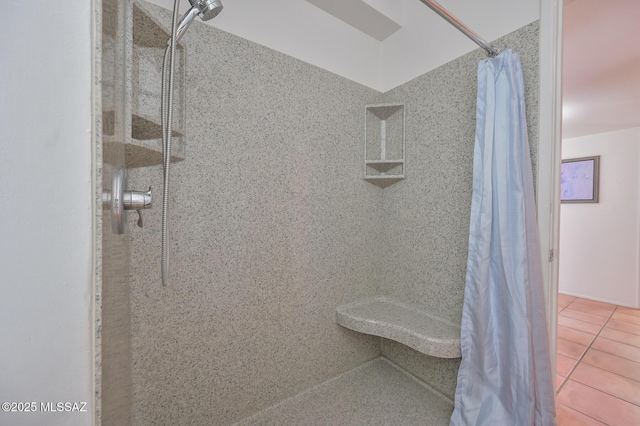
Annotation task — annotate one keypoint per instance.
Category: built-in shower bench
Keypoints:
(409, 325)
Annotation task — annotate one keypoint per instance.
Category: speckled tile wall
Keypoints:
(272, 227)
(113, 320)
(425, 221)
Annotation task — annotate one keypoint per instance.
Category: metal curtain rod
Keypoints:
(491, 51)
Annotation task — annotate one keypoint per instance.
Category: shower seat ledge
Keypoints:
(404, 323)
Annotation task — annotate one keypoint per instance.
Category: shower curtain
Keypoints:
(505, 375)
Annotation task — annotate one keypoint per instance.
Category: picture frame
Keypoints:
(580, 180)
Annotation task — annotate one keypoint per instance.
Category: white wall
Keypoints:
(46, 198)
(425, 41)
(599, 251)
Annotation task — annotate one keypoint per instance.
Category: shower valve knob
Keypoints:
(118, 200)
(138, 200)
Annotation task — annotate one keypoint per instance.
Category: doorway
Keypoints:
(598, 345)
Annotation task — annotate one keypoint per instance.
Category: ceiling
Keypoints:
(378, 43)
(601, 66)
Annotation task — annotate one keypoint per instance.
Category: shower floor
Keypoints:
(376, 393)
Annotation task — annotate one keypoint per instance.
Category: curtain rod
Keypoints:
(490, 50)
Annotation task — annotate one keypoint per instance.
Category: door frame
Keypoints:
(550, 157)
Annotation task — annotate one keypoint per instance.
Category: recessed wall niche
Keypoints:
(384, 144)
(147, 53)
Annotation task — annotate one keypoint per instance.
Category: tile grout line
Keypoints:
(586, 415)
(592, 387)
(564, 381)
(581, 361)
(626, 322)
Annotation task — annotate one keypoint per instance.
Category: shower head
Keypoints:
(206, 9)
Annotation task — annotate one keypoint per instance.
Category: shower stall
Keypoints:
(273, 227)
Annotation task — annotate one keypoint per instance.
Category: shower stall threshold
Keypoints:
(376, 393)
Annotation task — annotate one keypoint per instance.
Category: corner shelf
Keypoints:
(403, 323)
(145, 147)
(384, 144)
(149, 39)
(383, 181)
(384, 165)
(145, 129)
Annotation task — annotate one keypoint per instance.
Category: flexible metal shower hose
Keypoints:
(166, 111)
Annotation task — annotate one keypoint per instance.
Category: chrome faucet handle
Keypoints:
(139, 201)
(119, 201)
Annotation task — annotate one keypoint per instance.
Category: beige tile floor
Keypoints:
(598, 363)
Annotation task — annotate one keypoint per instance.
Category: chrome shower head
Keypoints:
(205, 9)
(208, 9)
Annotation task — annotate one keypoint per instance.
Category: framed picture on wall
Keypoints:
(579, 180)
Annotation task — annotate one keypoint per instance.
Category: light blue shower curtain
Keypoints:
(505, 375)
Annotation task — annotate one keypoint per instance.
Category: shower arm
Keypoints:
(184, 24)
(489, 49)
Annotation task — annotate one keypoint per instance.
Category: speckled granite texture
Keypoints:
(441, 374)
(425, 221)
(272, 227)
(149, 42)
(401, 322)
(113, 316)
(375, 394)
